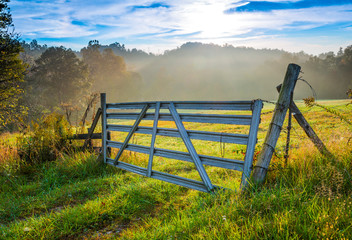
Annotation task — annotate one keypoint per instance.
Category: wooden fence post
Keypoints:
(308, 129)
(92, 128)
(103, 124)
(261, 168)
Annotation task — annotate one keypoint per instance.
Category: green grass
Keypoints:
(77, 197)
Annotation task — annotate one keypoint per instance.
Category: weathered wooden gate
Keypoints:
(250, 139)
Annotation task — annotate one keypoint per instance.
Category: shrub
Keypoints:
(46, 141)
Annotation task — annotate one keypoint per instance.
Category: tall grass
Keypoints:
(78, 197)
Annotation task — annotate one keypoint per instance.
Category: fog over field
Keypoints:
(196, 71)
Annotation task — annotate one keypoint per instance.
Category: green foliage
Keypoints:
(108, 73)
(59, 77)
(5, 16)
(332, 73)
(12, 70)
(46, 141)
(32, 51)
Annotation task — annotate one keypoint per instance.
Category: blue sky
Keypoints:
(310, 25)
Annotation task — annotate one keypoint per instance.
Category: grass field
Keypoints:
(77, 197)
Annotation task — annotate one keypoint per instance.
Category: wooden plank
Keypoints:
(185, 182)
(252, 140)
(199, 135)
(309, 131)
(183, 156)
(184, 135)
(195, 105)
(85, 136)
(103, 124)
(155, 128)
(133, 129)
(187, 117)
(92, 128)
(277, 120)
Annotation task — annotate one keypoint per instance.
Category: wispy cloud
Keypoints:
(253, 6)
(171, 23)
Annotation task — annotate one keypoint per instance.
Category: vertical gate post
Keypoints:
(261, 168)
(252, 141)
(103, 124)
(152, 144)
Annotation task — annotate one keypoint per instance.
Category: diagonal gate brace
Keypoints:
(184, 135)
(133, 129)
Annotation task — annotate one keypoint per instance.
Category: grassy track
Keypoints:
(77, 197)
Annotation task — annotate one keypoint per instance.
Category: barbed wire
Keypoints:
(267, 101)
(287, 130)
(315, 96)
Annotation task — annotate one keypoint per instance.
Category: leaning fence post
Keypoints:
(103, 124)
(261, 168)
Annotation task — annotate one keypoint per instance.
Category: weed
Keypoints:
(46, 141)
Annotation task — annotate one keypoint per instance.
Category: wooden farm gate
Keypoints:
(250, 139)
(284, 102)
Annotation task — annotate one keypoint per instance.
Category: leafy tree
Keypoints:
(59, 77)
(32, 51)
(93, 58)
(108, 72)
(113, 64)
(345, 66)
(12, 69)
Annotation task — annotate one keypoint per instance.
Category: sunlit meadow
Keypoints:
(78, 197)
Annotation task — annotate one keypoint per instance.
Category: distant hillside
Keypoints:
(212, 72)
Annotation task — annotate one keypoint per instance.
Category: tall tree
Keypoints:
(93, 58)
(345, 66)
(60, 77)
(12, 69)
(108, 73)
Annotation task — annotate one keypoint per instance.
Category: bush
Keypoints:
(46, 141)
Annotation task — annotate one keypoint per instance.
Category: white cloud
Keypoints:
(184, 20)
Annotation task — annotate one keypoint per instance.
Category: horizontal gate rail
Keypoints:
(199, 135)
(229, 105)
(85, 136)
(185, 182)
(187, 117)
(183, 156)
(199, 161)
